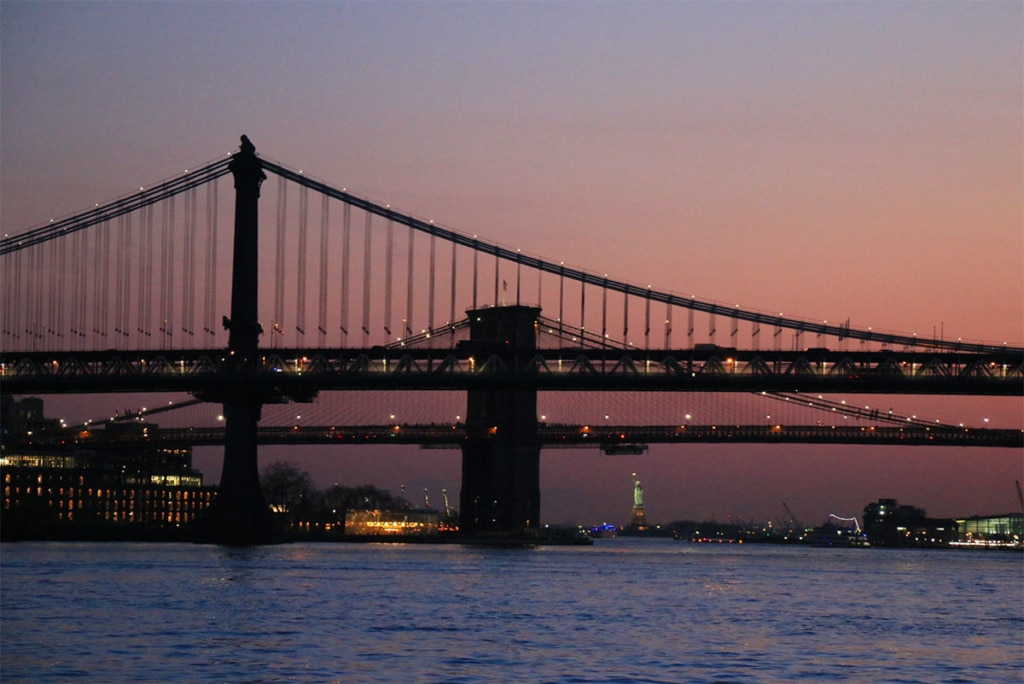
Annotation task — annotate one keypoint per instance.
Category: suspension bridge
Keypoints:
(345, 298)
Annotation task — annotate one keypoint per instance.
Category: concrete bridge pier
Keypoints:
(240, 515)
(501, 457)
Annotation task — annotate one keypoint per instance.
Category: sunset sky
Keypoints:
(836, 161)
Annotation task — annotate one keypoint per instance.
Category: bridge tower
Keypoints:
(240, 515)
(501, 457)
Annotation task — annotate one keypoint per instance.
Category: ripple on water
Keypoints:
(656, 611)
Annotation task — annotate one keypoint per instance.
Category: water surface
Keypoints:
(621, 611)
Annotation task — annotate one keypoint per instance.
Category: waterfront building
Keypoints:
(412, 521)
(888, 523)
(54, 487)
(993, 530)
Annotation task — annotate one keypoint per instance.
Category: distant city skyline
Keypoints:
(830, 160)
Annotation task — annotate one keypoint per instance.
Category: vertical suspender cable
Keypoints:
(134, 246)
(625, 318)
(67, 285)
(324, 233)
(145, 245)
(712, 326)
(102, 304)
(540, 279)
(7, 311)
(300, 270)
(389, 274)
(735, 331)
(668, 325)
(11, 270)
(188, 322)
(78, 297)
(519, 275)
(367, 234)
(55, 282)
(476, 255)
(165, 207)
(282, 216)
(604, 312)
(690, 329)
(430, 287)
(105, 303)
(167, 270)
(497, 277)
(647, 320)
(95, 278)
(583, 310)
(186, 264)
(18, 305)
(33, 294)
(121, 289)
(83, 288)
(408, 288)
(39, 295)
(73, 283)
(44, 286)
(451, 318)
(150, 286)
(171, 262)
(209, 314)
(130, 242)
(561, 302)
(346, 243)
(14, 311)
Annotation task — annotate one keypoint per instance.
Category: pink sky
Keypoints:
(836, 161)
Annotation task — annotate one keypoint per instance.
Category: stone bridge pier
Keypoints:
(501, 456)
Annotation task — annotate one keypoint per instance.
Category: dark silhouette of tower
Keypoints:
(240, 515)
(501, 456)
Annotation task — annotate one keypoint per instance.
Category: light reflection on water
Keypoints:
(620, 611)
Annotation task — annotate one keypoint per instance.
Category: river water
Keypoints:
(623, 610)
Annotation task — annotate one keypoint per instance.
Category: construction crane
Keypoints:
(447, 508)
(1020, 496)
(792, 518)
(426, 498)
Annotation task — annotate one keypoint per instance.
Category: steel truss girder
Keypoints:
(575, 436)
(545, 369)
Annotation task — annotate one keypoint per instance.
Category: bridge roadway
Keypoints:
(298, 374)
(611, 439)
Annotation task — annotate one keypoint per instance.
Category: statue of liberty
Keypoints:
(639, 515)
(638, 493)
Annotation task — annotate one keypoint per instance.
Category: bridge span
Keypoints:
(125, 298)
(300, 373)
(612, 439)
